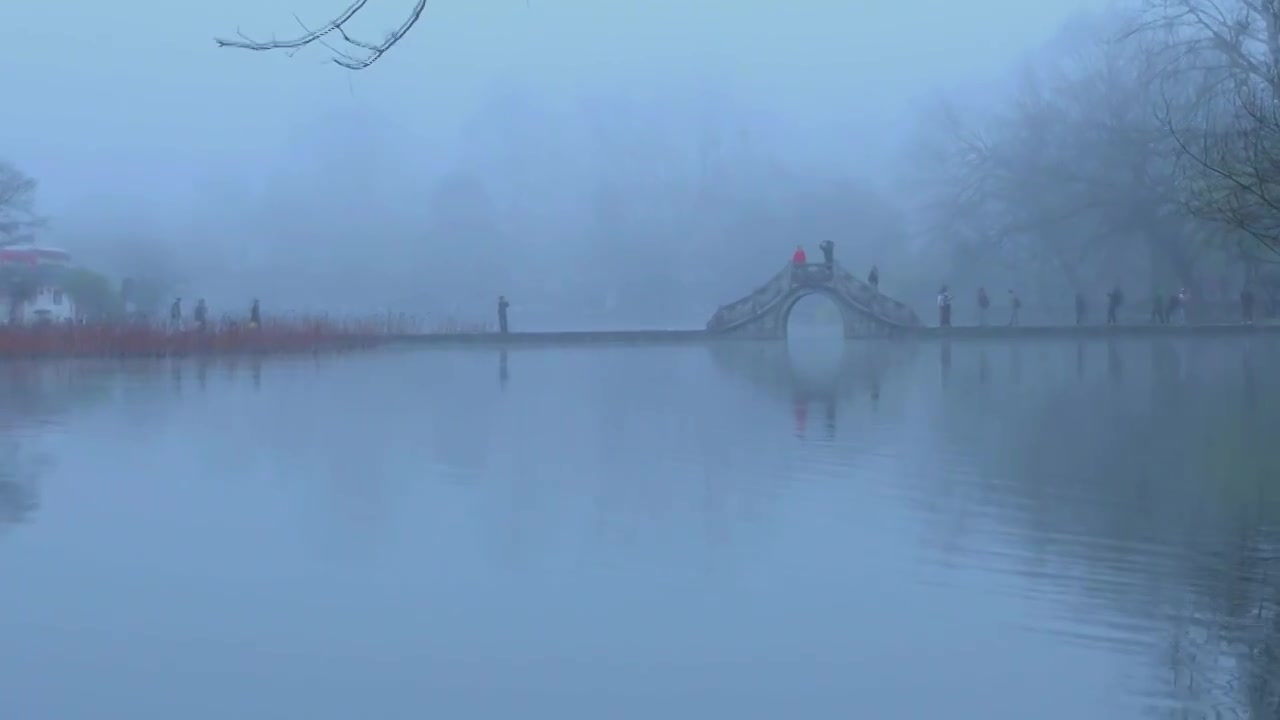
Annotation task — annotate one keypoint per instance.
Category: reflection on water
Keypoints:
(32, 398)
(19, 485)
(1026, 530)
(1115, 365)
(37, 397)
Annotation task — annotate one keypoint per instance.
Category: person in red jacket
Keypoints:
(799, 257)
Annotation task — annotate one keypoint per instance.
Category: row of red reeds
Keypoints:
(143, 340)
(292, 333)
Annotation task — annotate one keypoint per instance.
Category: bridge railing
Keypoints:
(752, 304)
(862, 293)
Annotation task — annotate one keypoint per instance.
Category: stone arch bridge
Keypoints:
(764, 313)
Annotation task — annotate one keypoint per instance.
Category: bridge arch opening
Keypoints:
(814, 317)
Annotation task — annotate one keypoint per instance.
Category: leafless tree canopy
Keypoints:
(1218, 104)
(1069, 175)
(1135, 146)
(17, 205)
(354, 54)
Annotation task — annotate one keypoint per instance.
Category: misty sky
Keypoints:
(129, 107)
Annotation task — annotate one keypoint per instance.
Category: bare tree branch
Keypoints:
(1240, 35)
(363, 54)
(1225, 123)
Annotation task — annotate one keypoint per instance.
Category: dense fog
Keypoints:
(610, 164)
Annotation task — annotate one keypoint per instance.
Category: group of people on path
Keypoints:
(984, 306)
(828, 249)
(1163, 310)
(201, 315)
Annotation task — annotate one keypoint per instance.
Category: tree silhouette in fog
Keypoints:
(17, 205)
(1140, 145)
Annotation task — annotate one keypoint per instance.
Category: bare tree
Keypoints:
(1070, 176)
(356, 55)
(1227, 38)
(1219, 86)
(17, 205)
(1231, 164)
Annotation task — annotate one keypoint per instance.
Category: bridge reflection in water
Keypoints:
(816, 378)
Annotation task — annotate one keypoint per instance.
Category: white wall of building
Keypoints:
(50, 304)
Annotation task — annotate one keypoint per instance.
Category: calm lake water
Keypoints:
(980, 530)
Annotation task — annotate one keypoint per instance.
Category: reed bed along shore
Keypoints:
(273, 336)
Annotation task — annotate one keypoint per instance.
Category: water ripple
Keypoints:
(1048, 531)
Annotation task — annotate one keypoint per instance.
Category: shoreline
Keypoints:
(107, 342)
(959, 332)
